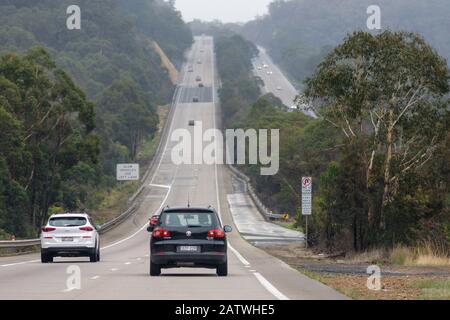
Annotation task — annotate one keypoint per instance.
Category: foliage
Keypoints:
(299, 33)
(46, 127)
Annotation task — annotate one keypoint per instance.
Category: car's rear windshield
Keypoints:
(189, 219)
(67, 221)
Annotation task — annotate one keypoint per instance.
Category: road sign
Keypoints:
(306, 196)
(127, 172)
(286, 216)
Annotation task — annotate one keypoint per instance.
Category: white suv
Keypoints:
(70, 235)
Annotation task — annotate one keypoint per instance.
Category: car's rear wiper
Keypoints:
(194, 226)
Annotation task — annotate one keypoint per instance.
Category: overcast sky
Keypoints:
(224, 10)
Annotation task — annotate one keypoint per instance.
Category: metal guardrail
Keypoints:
(265, 212)
(104, 228)
(20, 243)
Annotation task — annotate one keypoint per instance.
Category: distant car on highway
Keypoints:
(269, 72)
(191, 123)
(279, 88)
(70, 235)
(199, 61)
(190, 69)
(198, 78)
(153, 220)
(195, 99)
(259, 68)
(201, 85)
(188, 237)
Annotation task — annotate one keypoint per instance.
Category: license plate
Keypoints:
(67, 239)
(193, 249)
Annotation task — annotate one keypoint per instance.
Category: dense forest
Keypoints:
(380, 172)
(61, 138)
(299, 33)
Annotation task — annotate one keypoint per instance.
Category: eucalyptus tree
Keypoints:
(388, 92)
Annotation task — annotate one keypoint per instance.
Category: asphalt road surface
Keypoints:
(123, 272)
(275, 81)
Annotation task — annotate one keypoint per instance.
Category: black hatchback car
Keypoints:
(188, 237)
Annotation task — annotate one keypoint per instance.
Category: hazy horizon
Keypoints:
(223, 10)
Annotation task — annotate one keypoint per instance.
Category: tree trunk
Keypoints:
(387, 168)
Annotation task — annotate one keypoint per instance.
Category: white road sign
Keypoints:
(127, 172)
(306, 196)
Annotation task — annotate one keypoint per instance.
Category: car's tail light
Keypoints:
(86, 228)
(216, 234)
(161, 233)
(154, 221)
(48, 229)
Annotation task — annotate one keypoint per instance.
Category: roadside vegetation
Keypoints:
(378, 152)
(73, 104)
(299, 33)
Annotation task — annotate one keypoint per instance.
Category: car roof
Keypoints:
(65, 215)
(189, 209)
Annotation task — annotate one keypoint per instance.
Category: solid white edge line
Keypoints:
(265, 283)
(19, 263)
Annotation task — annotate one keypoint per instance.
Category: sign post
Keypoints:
(127, 172)
(306, 202)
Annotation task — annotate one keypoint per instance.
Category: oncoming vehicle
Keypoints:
(198, 78)
(188, 237)
(70, 235)
(195, 99)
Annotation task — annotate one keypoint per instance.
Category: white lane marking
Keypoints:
(95, 277)
(127, 263)
(252, 270)
(114, 269)
(159, 186)
(274, 291)
(139, 259)
(239, 256)
(266, 284)
(19, 263)
(69, 290)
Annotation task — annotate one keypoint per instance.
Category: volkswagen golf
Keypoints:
(188, 237)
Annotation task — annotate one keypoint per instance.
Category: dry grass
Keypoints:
(376, 256)
(427, 254)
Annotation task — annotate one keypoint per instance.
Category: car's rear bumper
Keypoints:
(69, 251)
(175, 260)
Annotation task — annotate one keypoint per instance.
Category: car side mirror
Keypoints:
(227, 229)
(98, 227)
(150, 228)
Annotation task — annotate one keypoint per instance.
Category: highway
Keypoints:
(123, 272)
(275, 81)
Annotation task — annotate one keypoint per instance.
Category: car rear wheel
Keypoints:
(222, 269)
(46, 258)
(94, 256)
(155, 270)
